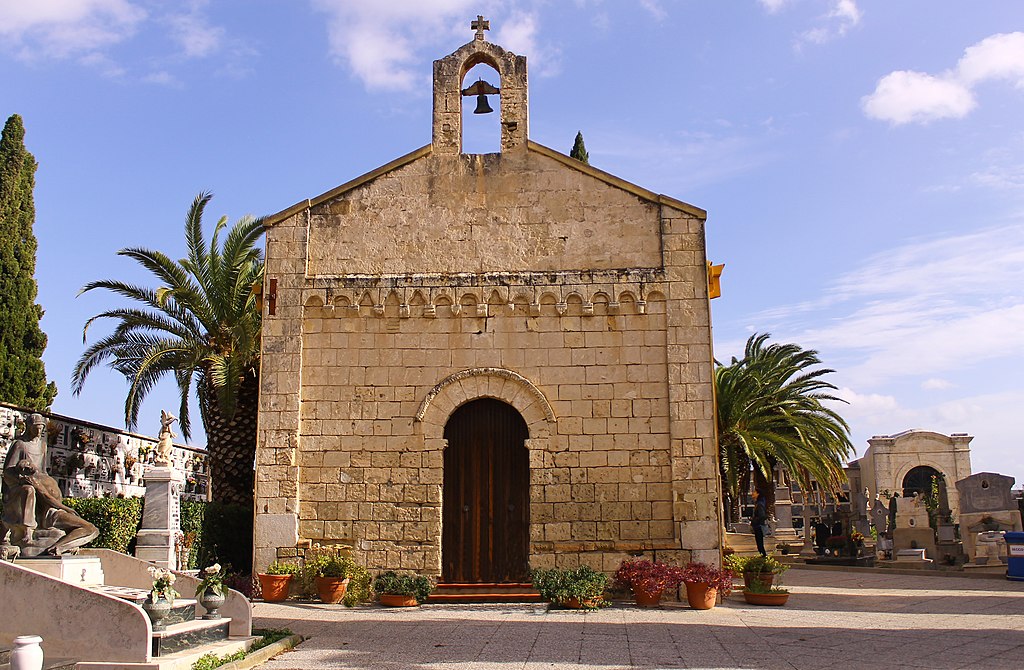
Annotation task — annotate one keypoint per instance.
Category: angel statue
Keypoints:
(164, 443)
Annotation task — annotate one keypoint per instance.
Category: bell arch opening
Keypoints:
(481, 109)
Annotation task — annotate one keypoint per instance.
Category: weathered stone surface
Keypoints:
(576, 298)
(986, 492)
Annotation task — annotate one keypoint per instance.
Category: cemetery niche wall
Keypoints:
(473, 363)
(89, 460)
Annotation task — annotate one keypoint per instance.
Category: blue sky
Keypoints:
(860, 160)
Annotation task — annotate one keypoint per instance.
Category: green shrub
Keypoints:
(214, 533)
(404, 584)
(358, 586)
(116, 518)
(192, 514)
(764, 564)
(282, 568)
(226, 537)
(557, 586)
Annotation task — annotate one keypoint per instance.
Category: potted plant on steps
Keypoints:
(275, 583)
(210, 592)
(402, 589)
(704, 583)
(647, 579)
(579, 588)
(161, 597)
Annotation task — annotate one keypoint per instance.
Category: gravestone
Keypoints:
(912, 529)
(986, 504)
(161, 512)
(949, 549)
(784, 515)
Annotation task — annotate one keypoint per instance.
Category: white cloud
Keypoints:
(774, 6)
(918, 311)
(194, 33)
(906, 96)
(66, 28)
(843, 15)
(654, 8)
(389, 45)
(997, 57)
(936, 384)
(380, 41)
(982, 415)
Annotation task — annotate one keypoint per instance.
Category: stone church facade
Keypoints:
(473, 363)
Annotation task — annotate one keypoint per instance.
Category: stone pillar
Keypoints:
(784, 514)
(161, 517)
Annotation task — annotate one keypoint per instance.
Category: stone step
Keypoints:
(183, 609)
(186, 635)
(485, 593)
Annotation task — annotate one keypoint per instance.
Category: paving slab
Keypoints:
(845, 619)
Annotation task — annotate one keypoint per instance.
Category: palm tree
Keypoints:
(201, 325)
(770, 412)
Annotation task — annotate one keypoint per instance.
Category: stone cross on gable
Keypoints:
(480, 25)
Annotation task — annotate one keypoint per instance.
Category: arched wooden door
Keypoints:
(486, 510)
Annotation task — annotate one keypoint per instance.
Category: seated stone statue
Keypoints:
(35, 519)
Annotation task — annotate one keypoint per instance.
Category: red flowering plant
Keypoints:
(648, 578)
(716, 578)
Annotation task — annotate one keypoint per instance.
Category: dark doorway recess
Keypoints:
(919, 480)
(486, 495)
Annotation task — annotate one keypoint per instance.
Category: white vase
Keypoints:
(27, 654)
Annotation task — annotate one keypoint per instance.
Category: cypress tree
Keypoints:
(22, 375)
(579, 150)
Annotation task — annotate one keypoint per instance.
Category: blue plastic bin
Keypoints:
(1015, 547)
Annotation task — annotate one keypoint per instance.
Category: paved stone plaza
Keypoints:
(833, 620)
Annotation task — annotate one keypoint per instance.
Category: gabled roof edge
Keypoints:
(347, 186)
(609, 178)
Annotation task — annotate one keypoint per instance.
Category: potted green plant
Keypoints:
(402, 589)
(759, 593)
(275, 583)
(210, 591)
(704, 583)
(332, 577)
(647, 579)
(761, 569)
(579, 588)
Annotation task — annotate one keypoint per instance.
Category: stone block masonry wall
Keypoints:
(610, 367)
(603, 480)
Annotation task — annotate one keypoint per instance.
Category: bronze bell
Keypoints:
(482, 107)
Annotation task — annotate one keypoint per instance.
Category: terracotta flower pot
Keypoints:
(274, 587)
(644, 599)
(396, 600)
(774, 599)
(700, 596)
(765, 578)
(331, 589)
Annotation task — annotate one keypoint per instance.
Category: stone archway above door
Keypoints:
(500, 383)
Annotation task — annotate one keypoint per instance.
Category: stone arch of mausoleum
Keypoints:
(905, 468)
(506, 385)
